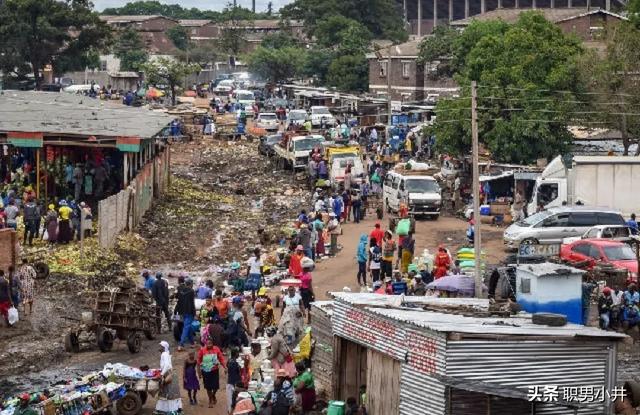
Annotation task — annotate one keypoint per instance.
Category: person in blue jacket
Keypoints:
(362, 260)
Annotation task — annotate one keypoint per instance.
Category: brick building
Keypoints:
(395, 68)
(201, 30)
(434, 12)
(588, 25)
(152, 29)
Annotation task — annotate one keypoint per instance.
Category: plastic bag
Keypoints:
(403, 227)
(45, 235)
(13, 316)
(305, 348)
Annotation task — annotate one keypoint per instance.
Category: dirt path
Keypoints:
(336, 273)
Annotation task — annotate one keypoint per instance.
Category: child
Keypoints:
(233, 376)
(190, 377)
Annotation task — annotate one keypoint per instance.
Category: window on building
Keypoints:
(383, 68)
(405, 69)
(103, 65)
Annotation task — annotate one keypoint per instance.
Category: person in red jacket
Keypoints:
(295, 265)
(441, 263)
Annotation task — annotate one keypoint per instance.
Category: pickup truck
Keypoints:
(293, 152)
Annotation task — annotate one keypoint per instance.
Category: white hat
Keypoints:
(165, 345)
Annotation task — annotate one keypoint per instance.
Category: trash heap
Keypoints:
(224, 200)
(89, 394)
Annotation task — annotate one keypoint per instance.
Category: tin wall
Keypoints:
(523, 364)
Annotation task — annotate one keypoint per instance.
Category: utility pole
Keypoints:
(389, 86)
(476, 191)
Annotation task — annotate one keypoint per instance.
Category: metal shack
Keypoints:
(418, 362)
(550, 288)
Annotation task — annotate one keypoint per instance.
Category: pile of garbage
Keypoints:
(224, 200)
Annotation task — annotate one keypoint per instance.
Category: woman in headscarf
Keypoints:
(51, 224)
(169, 397)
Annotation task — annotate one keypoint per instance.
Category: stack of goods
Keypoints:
(467, 259)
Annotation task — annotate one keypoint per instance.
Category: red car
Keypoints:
(602, 250)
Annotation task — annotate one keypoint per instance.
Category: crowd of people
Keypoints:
(619, 309)
(60, 224)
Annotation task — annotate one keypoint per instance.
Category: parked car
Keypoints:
(604, 251)
(552, 225)
(268, 121)
(620, 233)
(266, 144)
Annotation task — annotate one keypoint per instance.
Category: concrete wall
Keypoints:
(125, 209)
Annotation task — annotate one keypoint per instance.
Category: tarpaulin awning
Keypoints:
(502, 175)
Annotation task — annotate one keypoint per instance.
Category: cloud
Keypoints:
(261, 5)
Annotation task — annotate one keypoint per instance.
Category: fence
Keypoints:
(125, 209)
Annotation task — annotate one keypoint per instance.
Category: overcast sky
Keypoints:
(261, 5)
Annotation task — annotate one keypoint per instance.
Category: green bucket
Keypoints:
(336, 408)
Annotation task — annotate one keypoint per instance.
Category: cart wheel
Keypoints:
(129, 404)
(71, 343)
(134, 342)
(105, 339)
(153, 330)
(143, 396)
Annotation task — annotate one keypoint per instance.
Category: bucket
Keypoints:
(336, 408)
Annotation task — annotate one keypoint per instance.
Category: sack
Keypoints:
(12, 316)
(403, 227)
(168, 378)
(45, 235)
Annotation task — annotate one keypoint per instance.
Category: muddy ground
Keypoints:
(221, 194)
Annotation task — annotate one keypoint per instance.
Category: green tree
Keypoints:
(317, 63)
(381, 17)
(36, 33)
(280, 39)
(130, 49)
(613, 81)
(202, 53)
(179, 37)
(349, 73)
(168, 71)
(175, 11)
(633, 11)
(346, 36)
(519, 118)
(277, 65)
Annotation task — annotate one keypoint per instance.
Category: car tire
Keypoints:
(134, 342)
(549, 319)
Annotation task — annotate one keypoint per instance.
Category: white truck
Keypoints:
(339, 168)
(293, 152)
(320, 115)
(421, 193)
(603, 181)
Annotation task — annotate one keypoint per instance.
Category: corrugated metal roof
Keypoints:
(325, 306)
(193, 22)
(378, 300)
(130, 19)
(554, 15)
(63, 113)
(550, 269)
(517, 326)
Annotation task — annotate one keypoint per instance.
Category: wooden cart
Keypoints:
(118, 314)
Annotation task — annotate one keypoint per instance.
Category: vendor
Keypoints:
(169, 397)
(304, 386)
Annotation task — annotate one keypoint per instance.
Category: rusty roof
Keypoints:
(131, 19)
(553, 15)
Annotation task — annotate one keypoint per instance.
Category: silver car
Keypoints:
(553, 225)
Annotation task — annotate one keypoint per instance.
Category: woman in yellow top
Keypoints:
(64, 226)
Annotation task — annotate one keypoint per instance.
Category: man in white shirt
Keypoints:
(254, 264)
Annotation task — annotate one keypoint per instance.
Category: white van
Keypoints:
(421, 193)
(320, 114)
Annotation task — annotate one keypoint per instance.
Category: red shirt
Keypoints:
(215, 350)
(222, 306)
(378, 234)
(295, 267)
